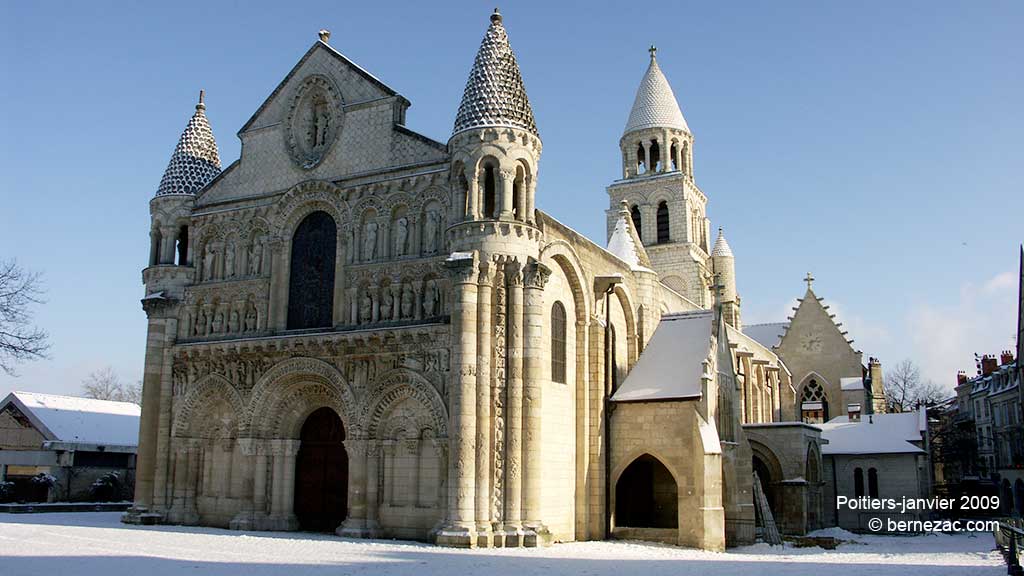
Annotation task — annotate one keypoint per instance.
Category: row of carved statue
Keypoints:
(395, 239)
(222, 319)
(415, 300)
(227, 260)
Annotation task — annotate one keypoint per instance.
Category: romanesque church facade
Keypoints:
(357, 328)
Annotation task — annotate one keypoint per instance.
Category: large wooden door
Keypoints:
(321, 473)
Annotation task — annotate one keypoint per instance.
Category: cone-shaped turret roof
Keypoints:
(655, 104)
(721, 247)
(625, 242)
(195, 161)
(494, 94)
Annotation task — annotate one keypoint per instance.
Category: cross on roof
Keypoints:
(653, 50)
(809, 279)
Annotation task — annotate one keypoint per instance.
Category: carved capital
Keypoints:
(158, 304)
(513, 273)
(463, 269)
(485, 273)
(536, 275)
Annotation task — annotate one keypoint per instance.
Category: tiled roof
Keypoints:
(721, 247)
(195, 161)
(655, 104)
(495, 95)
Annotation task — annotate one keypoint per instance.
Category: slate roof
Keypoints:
(655, 105)
(495, 95)
(74, 419)
(195, 161)
(768, 335)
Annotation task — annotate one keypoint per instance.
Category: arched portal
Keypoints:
(768, 480)
(321, 473)
(311, 277)
(646, 495)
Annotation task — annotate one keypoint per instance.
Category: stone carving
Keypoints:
(407, 302)
(430, 232)
(229, 260)
(234, 324)
(251, 318)
(218, 323)
(401, 235)
(370, 241)
(314, 121)
(366, 308)
(208, 261)
(256, 257)
(386, 303)
(430, 297)
(498, 395)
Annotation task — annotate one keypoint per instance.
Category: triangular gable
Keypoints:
(813, 313)
(12, 399)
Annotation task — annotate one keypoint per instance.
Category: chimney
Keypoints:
(961, 377)
(1005, 358)
(875, 371)
(988, 365)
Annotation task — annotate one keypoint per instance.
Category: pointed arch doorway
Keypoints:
(321, 473)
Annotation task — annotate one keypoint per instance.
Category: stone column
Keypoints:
(514, 436)
(472, 204)
(259, 489)
(193, 455)
(373, 450)
(354, 525)
(278, 286)
(459, 528)
(291, 449)
(535, 278)
(531, 196)
(483, 406)
(177, 510)
(507, 180)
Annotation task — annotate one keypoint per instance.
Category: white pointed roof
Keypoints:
(721, 247)
(195, 161)
(655, 105)
(625, 243)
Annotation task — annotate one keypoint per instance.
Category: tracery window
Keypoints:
(813, 403)
(558, 347)
(311, 276)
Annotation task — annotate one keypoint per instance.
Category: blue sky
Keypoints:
(875, 144)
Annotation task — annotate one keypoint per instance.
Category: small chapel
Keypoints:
(356, 328)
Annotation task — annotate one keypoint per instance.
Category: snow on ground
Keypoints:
(96, 543)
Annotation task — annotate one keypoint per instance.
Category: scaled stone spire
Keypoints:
(655, 105)
(495, 95)
(195, 161)
(721, 247)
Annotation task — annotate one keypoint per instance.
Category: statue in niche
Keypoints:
(218, 323)
(320, 124)
(208, 261)
(407, 298)
(229, 260)
(430, 232)
(401, 235)
(256, 257)
(430, 299)
(386, 302)
(234, 325)
(200, 323)
(350, 250)
(250, 318)
(366, 308)
(370, 241)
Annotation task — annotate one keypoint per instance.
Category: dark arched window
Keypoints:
(654, 157)
(183, 246)
(311, 275)
(558, 343)
(489, 191)
(673, 154)
(873, 483)
(663, 230)
(634, 213)
(858, 482)
(641, 162)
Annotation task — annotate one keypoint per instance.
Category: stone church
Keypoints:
(357, 328)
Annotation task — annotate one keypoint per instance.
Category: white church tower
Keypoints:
(667, 207)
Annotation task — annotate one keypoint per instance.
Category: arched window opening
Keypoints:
(873, 483)
(634, 214)
(489, 192)
(183, 246)
(858, 482)
(558, 351)
(663, 228)
(814, 404)
(654, 160)
(311, 276)
(673, 156)
(518, 207)
(646, 495)
(464, 188)
(155, 239)
(641, 162)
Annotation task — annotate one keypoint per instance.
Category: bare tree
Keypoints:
(104, 384)
(905, 390)
(19, 339)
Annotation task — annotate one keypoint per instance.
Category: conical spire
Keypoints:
(655, 104)
(721, 247)
(494, 94)
(625, 242)
(195, 161)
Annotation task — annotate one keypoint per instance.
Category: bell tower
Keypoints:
(657, 184)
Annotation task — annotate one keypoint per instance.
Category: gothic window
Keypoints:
(183, 246)
(654, 162)
(558, 351)
(813, 403)
(663, 229)
(873, 483)
(311, 276)
(489, 191)
(858, 482)
(634, 213)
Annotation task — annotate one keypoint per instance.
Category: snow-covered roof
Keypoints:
(874, 434)
(768, 335)
(655, 105)
(79, 420)
(853, 383)
(672, 364)
(625, 244)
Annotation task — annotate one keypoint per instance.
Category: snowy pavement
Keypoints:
(96, 543)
